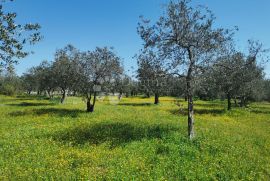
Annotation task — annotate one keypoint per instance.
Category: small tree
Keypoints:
(98, 67)
(252, 75)
(122, 85)
(44, 78)
(238, 75)
(151, 73)
(185, 36)
(65, 69)
(29, 80)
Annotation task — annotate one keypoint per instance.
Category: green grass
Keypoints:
(133, 140)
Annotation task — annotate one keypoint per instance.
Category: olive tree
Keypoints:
(186, 38)
(15, 37)
(122, 85)
(30, 82)
(238, 75)
(151, 73)
(65, 69)
(98, 67)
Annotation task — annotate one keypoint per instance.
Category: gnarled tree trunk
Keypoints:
(229, 101)
(63, 96)
(156, 98)
(90, 107)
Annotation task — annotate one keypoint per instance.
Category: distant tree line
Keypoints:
(235, 77)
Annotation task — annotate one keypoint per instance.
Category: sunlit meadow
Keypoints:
(131, 140)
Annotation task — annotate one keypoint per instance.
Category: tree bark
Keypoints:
(191, 121)
(63, 96)
(191, 132)
(156, 98)
(90, 107)
(229, 101)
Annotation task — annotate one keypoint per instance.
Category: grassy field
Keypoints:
(41, 139)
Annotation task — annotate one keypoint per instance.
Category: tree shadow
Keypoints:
(263, 111)
(31, 97)
(61, 112)
(51, 111)
(117, 134)
(212, 105)
(28, 104)
(198, 111)
(19, 113)
(135, 104)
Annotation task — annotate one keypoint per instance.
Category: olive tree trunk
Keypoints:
(229, 101)
(191, 121)
(156, 98)
(90, 107)
(191, 132)
(63, 96)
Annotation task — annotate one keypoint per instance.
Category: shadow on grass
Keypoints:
(135, 104)
(212, 105)
(19, 113)
(117, 134)
(51, 111)
(26, 104)
(59, 112)
(30, 97)
(262, 111)
(198, 111)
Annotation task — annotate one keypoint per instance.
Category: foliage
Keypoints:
(14, 37)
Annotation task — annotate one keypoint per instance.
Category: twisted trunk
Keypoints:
(156, 98)
(229, 101)
(90, 107)
(63, 96)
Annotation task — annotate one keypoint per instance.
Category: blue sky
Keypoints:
(90, 23)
